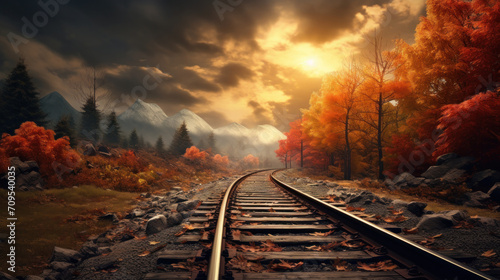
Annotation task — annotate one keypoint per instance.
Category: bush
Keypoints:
(221, 161)
(32, 142)
(195, 154)
(249, 162)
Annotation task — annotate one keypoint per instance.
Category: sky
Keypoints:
(247, 61)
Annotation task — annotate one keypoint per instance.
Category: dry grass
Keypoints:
(41, 222)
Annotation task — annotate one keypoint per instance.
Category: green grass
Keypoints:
(41, 224)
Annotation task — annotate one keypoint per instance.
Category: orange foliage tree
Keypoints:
(472, 128)
(130, 160)
(248, 162)
(221, 161)
(195, 154)
(32, 142)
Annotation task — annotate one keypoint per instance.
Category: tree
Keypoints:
(65, 127)
(195, 154)
(112, 136)
(181, 141)
(160, 146)
(19, 100)
(211, 142)
(91, 118)
(133, 141)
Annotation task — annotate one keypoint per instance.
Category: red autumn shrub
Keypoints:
(195, 154)
(472, 128)
(32, 142)
(249, 161)
(221, 161)
(130, 160)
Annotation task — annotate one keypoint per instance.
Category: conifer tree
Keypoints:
(160, 146)
(19, 100)
(124, 142)
(211, 142)
(91, 118)
(133, 141)
(65, 127)
(112, 136)
(181, 141)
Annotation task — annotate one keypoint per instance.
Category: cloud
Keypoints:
(259, 115)
(215, 119)
(231, 74)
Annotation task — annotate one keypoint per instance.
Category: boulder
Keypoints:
(89, 150)
(494, 192)
(89, 249)
(485, 221)
(464, 163)
(417, 208)
(187, 205)
(179, 198)
(33, 165)
(137, 213)
(60, 266)
(398, 203)
(436, 171)
(443, 159)
(156, 224)
(479, 196)
(21, 167)
(64, 255)
(440, 220)
(109, 217)
(484, 180)
(403, 178)
(415, 182)
(187, 214)
(454, 176)
(174, 219)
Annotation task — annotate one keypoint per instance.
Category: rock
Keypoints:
(403, 178)
(464, 163)
(109, 217)
(398, 203)
(176, 188)
(179, 198)
(60, 266)
(434, 222)
(332, 184)
(494, 192)
(64, 255)
(417, 208)
(443, 159)
(301, 181)
(485, 221)
(5, 276)
(187, 214)
(415, 182)
(137, 213)
(103, 149)
(434, 172)
(484, 180)
(456, 215)
(89, 150)
(174, 219)
(455, 176)
(354, 198)
(106, 264)
(156, 224)
(89, 249)
(479, 196)
(103, 250)
(33, 178)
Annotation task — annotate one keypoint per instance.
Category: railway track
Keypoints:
(261, 228)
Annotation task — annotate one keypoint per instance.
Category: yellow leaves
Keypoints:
(142, 181)
(153, 242)
(379, 266)
(488, 254)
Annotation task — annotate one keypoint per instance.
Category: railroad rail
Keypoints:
(266, 229)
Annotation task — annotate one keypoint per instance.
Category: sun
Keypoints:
(310, 62)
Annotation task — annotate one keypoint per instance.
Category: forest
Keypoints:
(403, 105)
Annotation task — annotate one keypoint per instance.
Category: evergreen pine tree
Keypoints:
(133, 141)
(112, 136)
(20, 100)
(181, 141)
(65, 127)
(91, 118)
(211, 142)
(124, 142)
(160, 146)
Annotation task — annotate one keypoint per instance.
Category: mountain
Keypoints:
(56, 106)
(198, 128)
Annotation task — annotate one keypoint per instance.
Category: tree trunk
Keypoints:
(347, 164)
(379, 139)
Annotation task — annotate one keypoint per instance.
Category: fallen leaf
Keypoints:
(379, 266)
(145, 253)
(488, 254)
(271, 209)
(437, 235)
(236, 234)
(153, 242)
(410, 231)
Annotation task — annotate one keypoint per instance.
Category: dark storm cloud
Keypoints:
(231, 74)
(259, 115)
(323, 21)
(192, 81)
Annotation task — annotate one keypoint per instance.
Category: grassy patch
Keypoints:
(47, 219)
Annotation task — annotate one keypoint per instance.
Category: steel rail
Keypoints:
(214, 269)
(435, 264)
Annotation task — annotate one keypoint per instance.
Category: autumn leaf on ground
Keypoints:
(394, 219)
(351, 208)
(410, 231)
(236, 234)
(237, 223)
(245, 215)
(322, 233)
(271, 209)
(488, 254)
(396, 212)
(153, 242)
(351, 244)
(247, 233)
(379, 266)
(283, 265)
(437, 235)
(340, 265)
(140, 237)
(145, 253)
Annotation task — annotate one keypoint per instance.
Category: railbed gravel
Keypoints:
(474, 241)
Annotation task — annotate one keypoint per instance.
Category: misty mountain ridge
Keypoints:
(150, 121)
